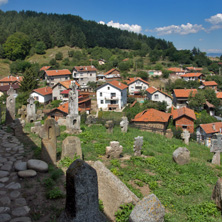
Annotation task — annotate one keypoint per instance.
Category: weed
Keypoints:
(101, 206)
(48, 182)
(67, 161)
(54, 193)
(122, 215)
(56, 174)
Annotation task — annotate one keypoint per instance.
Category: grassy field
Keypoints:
(185, 191)
(4, 68)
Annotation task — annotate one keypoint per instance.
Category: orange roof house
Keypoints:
(194, 69)
(210, 84)
(9, 80)
(192, 76)
(205, 132)
(180, 96)
(184, 118)
(136, 85)
(219, 95)
(44, 68)
(43, 91)
(176, 70)
(85, 68)
(112, 74)
(43, 95)
(152, 120)
(61, 72)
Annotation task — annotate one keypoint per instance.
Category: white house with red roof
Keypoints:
(195, 76)
(136, 85)
(84, 74)
(210, 84)
(157, 95)
(205, 132)
(112, 96)
(176, 71)
(54, 76)
(43, 95)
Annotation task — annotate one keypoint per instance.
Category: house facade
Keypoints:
(10, 80)
(54, 76)
(84, 74)
(136, 85)
(112, 96)
(59, 87)
(180, 97)
(184, 118)
(196, 76)
(205, 132)
(152, 120)
(112, 74)
(42, 95)
(159, 96)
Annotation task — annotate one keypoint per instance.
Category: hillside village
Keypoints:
(100, 124)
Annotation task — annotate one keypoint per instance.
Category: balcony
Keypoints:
(112, 98)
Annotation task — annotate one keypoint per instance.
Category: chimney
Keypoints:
(119, 84)
(213, 126)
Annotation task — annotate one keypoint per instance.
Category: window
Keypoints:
(90, 74)
(156, 96)
(108, 88)
(59, 86)
(101, 101)
(184, 127)
(101, 94)
(113, 94)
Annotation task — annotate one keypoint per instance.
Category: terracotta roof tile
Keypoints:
(175, 69)
(60, 72)
(44, 68)
(43, 91)
(118, 84)
(12, 79)
(152, 115)
(210, 83)
(152, 90)
(194, 74)
(184, 111)
(219, 95)
(67, 83)
(132, 80)
(85, 68)
(64, 108)
(211, 127)
(184, 93)
(194, 68)
(5, 88)
(111, 71)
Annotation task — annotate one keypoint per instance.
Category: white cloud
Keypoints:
(212, 50)
(181, 30)
(131, 28)
(215, 19)
(3, 2)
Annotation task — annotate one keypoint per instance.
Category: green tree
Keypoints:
(143, 75)
(40, 48)
(29, 81)
(59, 56)
(197, 101)
(17, 46)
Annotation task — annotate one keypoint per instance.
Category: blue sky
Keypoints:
(185, 23)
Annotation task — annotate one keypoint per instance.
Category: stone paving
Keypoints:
(13, 206)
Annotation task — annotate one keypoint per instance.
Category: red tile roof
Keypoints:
(85, 68)
(43, 91)
(152, 90)
(194, 74)
(132, 80)
(67, 83)
(111, 71)
(11, 79)
(184, 111)
(45, 68)
(184, 93)
(118, 84)
(60, 72)
(211, 127)
(219, 95)
(65, 107)
(175, 69)
(194, 68)
(209, 83)
(152, 115)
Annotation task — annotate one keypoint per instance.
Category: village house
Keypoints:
(5, 88)
(101, 77)
(155, 73)
(205, 132)
(193, 69)
(60, 90)
(157, 95)
(219, 95)
(84, 74)
(195, 76)
(210, 108)
(152, 120)
(44, 68)
(112, 96)
(136, 85)
(9, 80)
(180, 96)
(210, 84)
(176, 71)
(54, 76)
(42, 95)
(62, 110)
(184, 118)
(112, 74)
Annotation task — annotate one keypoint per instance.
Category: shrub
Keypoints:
(54, 193)
(122, 215)
(59, 56)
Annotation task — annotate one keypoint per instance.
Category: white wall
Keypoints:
(41, 99)
(160, 97)
(132, 86)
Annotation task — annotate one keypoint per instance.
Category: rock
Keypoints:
(21, 219)
(20, 166)
(4, 210)
(112, 191)
(3, 173)
(13, 186)
(6, 167)
(216, 159)
(37, 165)
(5, 217)
(14, 194)
(5, 201)
(20, 211)
(20, 202)
(27, 173)
(114, 150)
(149, 209)
(217, 193)
(181, 155)
(4, 179)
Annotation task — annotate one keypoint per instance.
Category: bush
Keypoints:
(54, 193)
(55, 103)
(122, 215)
(59, 56)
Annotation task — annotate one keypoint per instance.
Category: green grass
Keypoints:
(185, 191)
